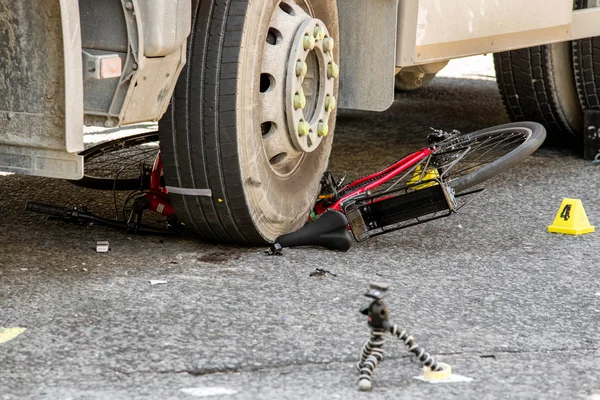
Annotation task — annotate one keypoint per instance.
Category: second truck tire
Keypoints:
(537, 84)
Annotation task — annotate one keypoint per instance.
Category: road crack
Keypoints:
(492, 355)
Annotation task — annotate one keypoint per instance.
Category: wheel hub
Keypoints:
(298, 81)
(308, 121)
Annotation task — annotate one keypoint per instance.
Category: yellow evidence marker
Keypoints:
(571, 219)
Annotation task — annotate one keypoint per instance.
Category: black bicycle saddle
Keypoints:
(329, 231)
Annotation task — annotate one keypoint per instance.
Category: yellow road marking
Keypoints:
(7, 334)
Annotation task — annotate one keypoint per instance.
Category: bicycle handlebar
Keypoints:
(81, 215)
(47, 209)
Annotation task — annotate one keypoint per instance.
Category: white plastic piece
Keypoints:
(102, 246)
(208, 391)
(189, 191)
(157, 282)
(452, 379)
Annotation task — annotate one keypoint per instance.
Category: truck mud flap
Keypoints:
(368, 31)
(41, 90)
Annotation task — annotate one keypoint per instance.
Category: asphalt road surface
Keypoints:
(488, 290)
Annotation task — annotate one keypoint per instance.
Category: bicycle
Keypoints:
(420, 187)
(131, 163)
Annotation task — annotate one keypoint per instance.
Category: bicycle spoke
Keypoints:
(128, 162)
(479, 153)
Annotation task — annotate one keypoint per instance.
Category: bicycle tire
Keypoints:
(111, 177)
(535, 135)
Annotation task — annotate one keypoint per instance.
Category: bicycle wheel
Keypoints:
(468, 160)
(120, 164)
(462, 161)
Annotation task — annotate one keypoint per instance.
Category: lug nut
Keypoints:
(333, 70)
(322, 129)
(319, 33)
(301, 69)
(299, 101)
(303, 128)
(308, 42)
(328, 44)
(330, 103)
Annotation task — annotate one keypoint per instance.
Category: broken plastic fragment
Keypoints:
(102, 246)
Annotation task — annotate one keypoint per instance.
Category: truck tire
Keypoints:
(586, 56)
(538, 84)
(248, 133)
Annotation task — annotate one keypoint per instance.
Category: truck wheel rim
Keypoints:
(297, 86)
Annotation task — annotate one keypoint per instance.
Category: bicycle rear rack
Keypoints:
(383, 213)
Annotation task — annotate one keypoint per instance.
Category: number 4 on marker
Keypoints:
(566, 212)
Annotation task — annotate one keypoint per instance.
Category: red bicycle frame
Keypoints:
(157, 196)
(376, 179)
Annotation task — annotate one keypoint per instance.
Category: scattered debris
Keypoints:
(157, 282)
(208, 391)
(84, 269)
(322, 272)
(102, 246)
(487, 356)
(7, 334)
(275, 250)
